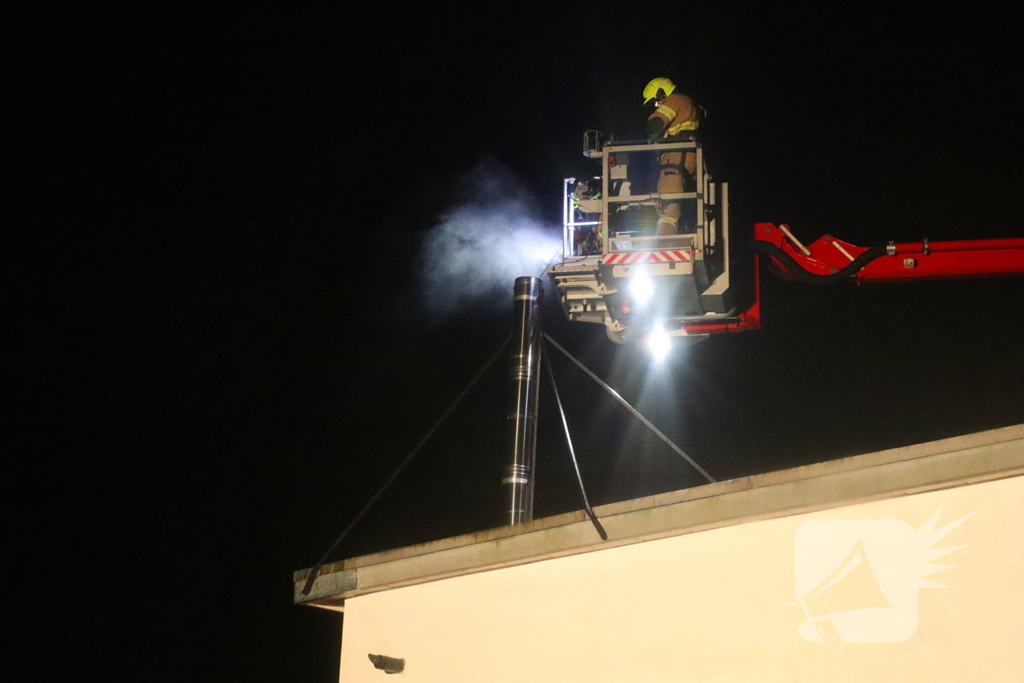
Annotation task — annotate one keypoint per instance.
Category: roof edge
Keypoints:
(912, 469)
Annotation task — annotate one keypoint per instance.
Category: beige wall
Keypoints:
(712, 606)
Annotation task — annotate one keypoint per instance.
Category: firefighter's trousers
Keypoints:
(671, 178)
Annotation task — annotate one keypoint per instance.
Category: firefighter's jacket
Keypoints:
(675, 115)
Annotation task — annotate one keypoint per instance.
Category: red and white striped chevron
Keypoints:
(647, 257)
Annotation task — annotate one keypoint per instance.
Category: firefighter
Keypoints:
(675, 118)
(586, 236)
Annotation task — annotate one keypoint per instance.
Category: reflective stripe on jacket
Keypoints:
(678, 113)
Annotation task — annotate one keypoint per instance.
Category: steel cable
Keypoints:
(394, 475)
(631, 409)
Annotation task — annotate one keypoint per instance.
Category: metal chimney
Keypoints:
(524, 385)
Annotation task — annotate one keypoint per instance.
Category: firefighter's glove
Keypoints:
(655, 127)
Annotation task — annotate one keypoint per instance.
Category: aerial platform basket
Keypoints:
(617, 271)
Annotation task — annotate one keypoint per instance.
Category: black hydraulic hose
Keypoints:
(799, 272)
(572, 453)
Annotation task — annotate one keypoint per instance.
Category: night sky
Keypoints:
(224, 343)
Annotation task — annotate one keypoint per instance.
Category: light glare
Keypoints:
(659, 343)
(642, 288)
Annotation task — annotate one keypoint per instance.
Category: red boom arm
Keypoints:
(829, 256)
(828, 259)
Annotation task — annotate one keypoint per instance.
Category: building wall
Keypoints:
(732, 604)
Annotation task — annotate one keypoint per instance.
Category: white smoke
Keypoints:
(483, 243)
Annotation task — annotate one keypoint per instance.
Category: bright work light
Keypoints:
(641, 287)
(659, 342)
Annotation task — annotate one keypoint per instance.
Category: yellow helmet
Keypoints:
(651, 91)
